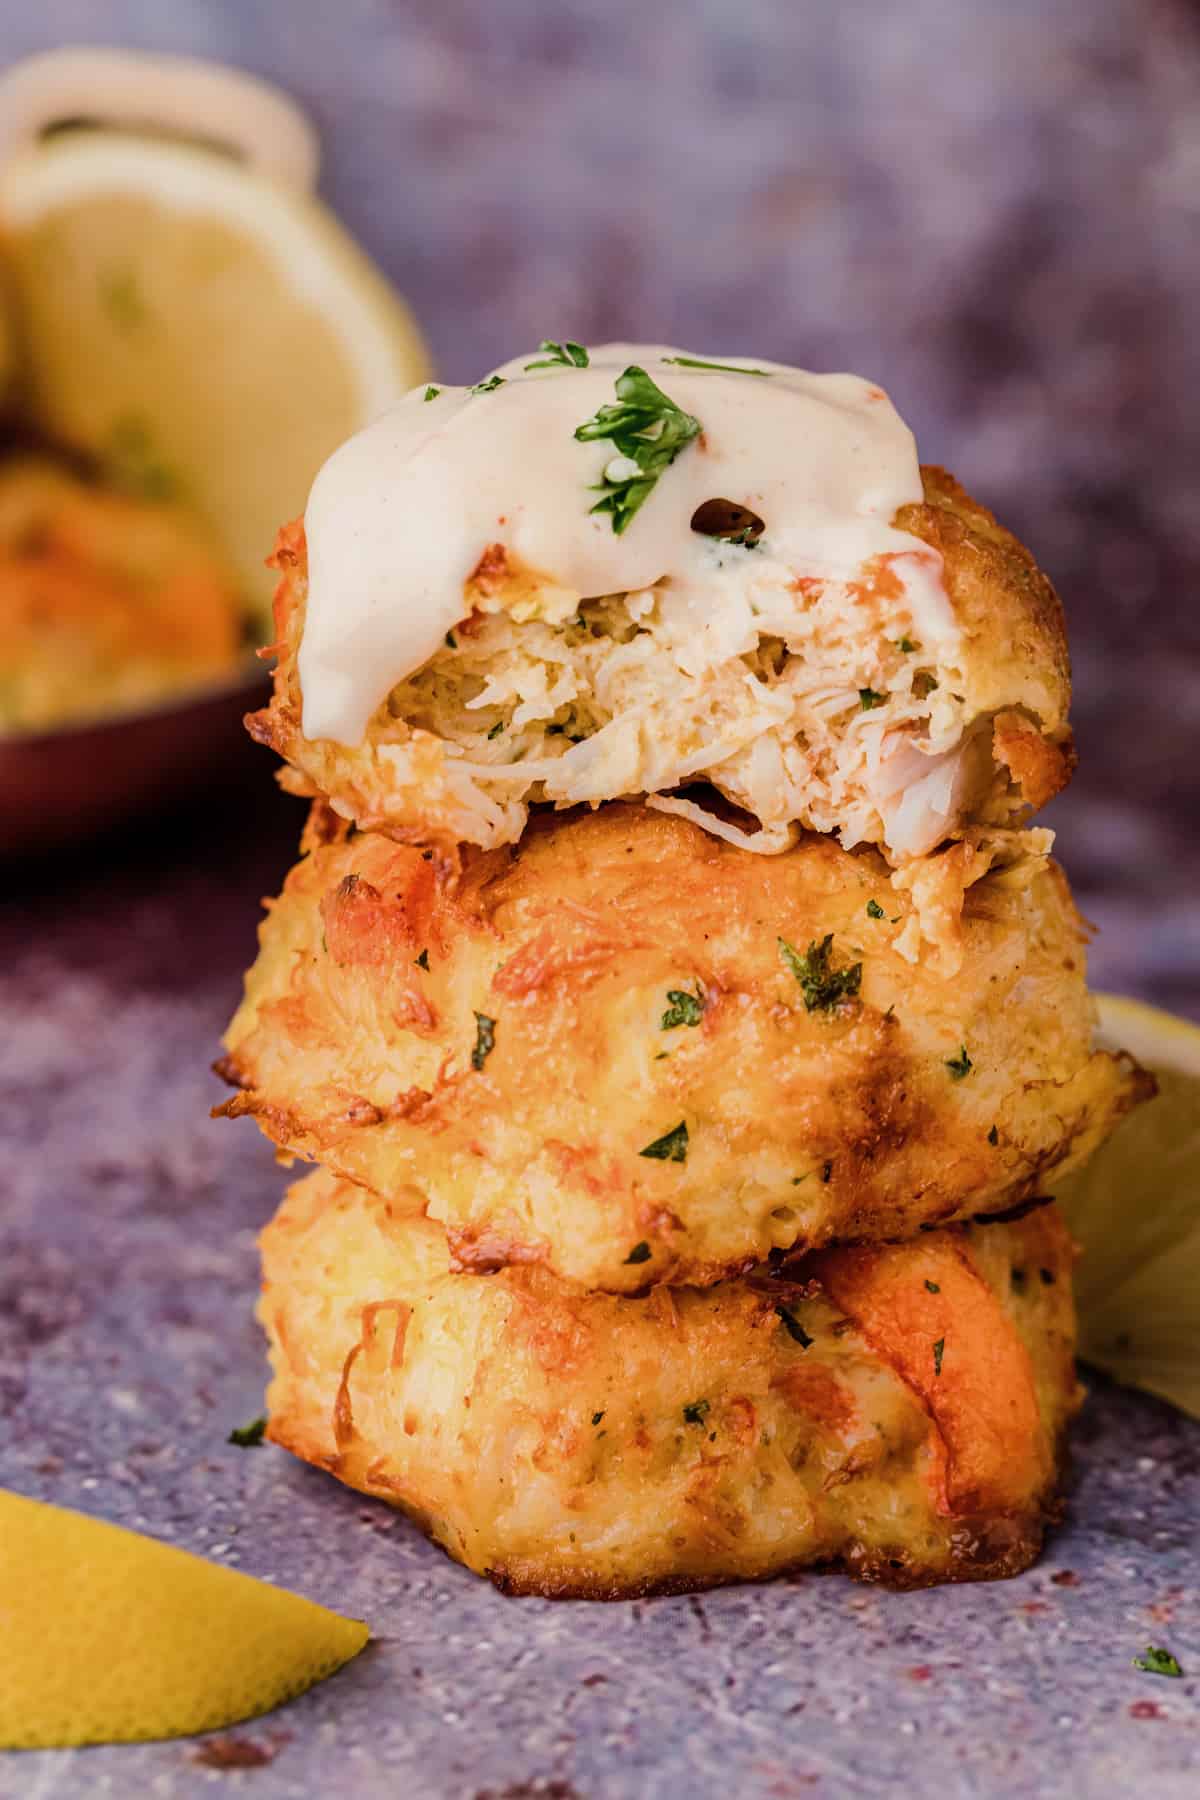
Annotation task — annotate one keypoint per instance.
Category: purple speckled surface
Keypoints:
(992, 209)
(127, 1351)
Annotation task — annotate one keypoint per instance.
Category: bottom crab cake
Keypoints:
(899, 1410)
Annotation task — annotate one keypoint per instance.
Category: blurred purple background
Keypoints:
(992, 209)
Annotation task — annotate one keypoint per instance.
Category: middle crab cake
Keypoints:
(629, 1052)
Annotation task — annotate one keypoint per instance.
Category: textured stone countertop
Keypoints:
(128, 1350)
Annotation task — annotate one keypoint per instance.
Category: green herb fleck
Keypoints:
(489, 386)
(671, 1147)
(696, 1411)
(485, 1040)
(646, 429)
(639, 1254)
(497, 728)
(565, 356)
(905, 645)
(933, 1287)
(431, 392)
(423, 960)
(826, 1172)
(993, 1136)
(793, 1327)
(823, 988)
(868, 699)
(961, 1065)
(875, 911)
(121, 300)
(697, 362)
(596, 1418)
(797, 1179)
(248, 1437)
(938, 1352)
(685, 1009)
(131, 462)
(1157, 1662)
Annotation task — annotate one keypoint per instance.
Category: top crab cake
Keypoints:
(611, 574)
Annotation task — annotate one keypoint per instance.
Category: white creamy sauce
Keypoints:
(400, 515)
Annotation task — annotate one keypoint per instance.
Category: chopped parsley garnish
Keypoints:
(248, 1437)
(905, 645)
(823, 988)
(485, 1040)
(874, 910)
(797, 1179)
(933, 1286)
(960, 1065)
(121, 300)
(685, 1009)
(696, 1411)
(697, 362)
(993, 1136)
(938, 1352)
(451, 641)
(422, 961)
(564, 356)
(431, 392)
(1157, 1662)
(132, 463)
(793, 1327)
(648, 431)
(868, 699)
(596, 1418)
(671, 1147)
(497, 728)
(826, 1172)
(639, 1254)
(489, 386)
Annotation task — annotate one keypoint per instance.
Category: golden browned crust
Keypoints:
(1014, 663)
(1016, 652)
(358, 1044)
(573, 1444)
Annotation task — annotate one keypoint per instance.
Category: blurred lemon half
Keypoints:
(110, 1637)
(205, 329)
(1135, 1209)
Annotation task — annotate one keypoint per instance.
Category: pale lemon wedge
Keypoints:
(208, 331)
(108, 1637)
(1135, 1210)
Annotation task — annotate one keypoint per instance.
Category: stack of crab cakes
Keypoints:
(683, 1212)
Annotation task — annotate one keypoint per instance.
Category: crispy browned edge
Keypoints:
(1019, 1538)
(984, 1546)
(981, 557)
(285, 1130)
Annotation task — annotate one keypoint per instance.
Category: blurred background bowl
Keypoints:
(70, 786)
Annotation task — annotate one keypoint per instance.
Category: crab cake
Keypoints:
(633, 1053)
(107, 600)
(899, 1410)
(769, 595)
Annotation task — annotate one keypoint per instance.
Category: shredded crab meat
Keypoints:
(802, 702)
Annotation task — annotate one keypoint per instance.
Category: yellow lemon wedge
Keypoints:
(206, 330)
(1135, 1209)
(109, 1637)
